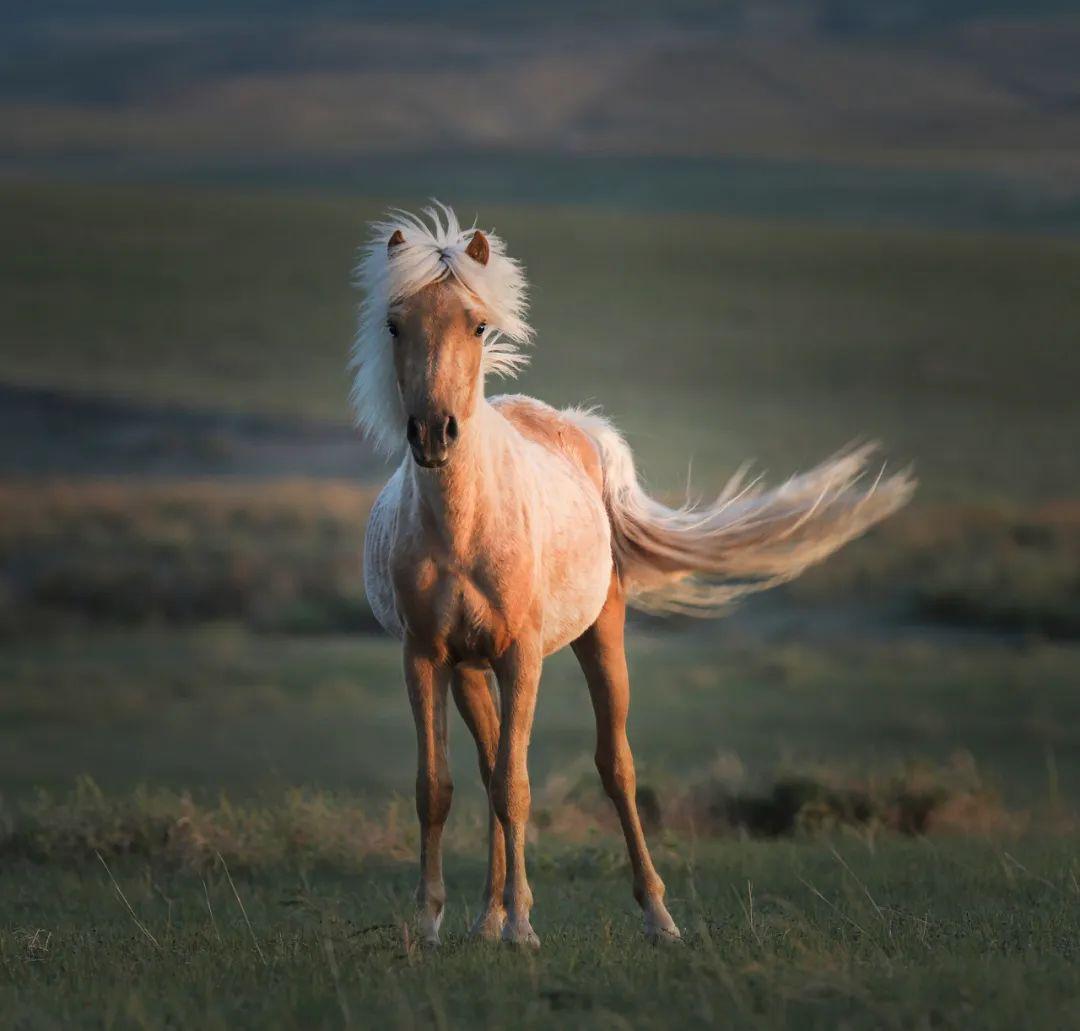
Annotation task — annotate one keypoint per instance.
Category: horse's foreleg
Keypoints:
(518, 673)
(427, 682)
(602, 655)
(472, 692)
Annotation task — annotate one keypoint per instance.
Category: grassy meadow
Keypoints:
(862, 789)
(777, 935)
(709, 340)
(868, 835)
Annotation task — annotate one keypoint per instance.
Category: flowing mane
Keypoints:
(430, 254)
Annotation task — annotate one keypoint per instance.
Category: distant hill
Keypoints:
(992, 86)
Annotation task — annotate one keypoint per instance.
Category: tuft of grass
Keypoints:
(917, 798)
(283, 556)
(299, 829)
(305, 829)
(997, 567)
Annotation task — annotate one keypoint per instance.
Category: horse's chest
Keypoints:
(472, 609)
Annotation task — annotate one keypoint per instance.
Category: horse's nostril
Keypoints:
(451, 428)
(412, 430)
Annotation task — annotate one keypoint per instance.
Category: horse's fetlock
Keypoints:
(431, 896)
(649, 891)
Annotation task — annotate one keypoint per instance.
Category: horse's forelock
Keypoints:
(427, 250)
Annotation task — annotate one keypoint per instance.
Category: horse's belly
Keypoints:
(567, 617)
(577, 571)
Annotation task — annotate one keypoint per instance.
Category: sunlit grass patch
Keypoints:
(306, 829)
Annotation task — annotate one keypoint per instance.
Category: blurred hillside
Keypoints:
(753, 229)
(961, 111)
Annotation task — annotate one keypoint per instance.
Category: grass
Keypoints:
(279, 556)
(708, 339)
(332, 830)
(1002, 567)
(803, 934)
(222, 710)
(222, 894)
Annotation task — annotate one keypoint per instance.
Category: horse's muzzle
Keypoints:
(430, 439)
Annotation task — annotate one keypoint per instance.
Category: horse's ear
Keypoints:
(478, 248)
(396, 240)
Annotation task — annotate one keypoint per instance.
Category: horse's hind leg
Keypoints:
(427, 682)
(600, 650)
(475, 701)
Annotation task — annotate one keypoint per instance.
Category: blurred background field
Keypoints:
(753, 232)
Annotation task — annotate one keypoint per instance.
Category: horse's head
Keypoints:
(443, 306)
(438, 336)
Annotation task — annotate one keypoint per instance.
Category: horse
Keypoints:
(510, 530)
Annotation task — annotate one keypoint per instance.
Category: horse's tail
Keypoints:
(698, 558)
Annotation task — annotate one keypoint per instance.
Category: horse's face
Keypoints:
(438, 349)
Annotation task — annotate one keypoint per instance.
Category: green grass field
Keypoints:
(710, 341)
(862, 790)
(913, 934)
(840, 921)
(221, 709)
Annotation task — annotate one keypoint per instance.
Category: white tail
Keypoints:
(697, 559)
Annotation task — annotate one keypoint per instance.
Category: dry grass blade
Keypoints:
(836, 909)
(243, 911)
(1034, 876)
(335, 973)
(123, 898)
(210, 909)
(865, 890)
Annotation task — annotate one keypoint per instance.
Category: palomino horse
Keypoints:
(511, 530)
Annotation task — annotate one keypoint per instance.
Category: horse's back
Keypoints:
(552, 430)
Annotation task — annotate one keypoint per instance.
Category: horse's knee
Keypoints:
(616, 771)
(510, 795)
(434, 794)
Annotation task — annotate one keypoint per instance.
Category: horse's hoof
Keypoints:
(660, 929)
(521, 934)
(427, 929)
(663, 936)
(488, 926)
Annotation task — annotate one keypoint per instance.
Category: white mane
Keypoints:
(429, 254)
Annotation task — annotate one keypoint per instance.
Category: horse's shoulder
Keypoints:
(551, 429)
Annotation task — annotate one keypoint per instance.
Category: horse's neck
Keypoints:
(462, 498)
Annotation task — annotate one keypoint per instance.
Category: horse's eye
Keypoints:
(481, 329)
(392, 328)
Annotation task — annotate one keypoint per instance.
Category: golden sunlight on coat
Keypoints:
(510, 530)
